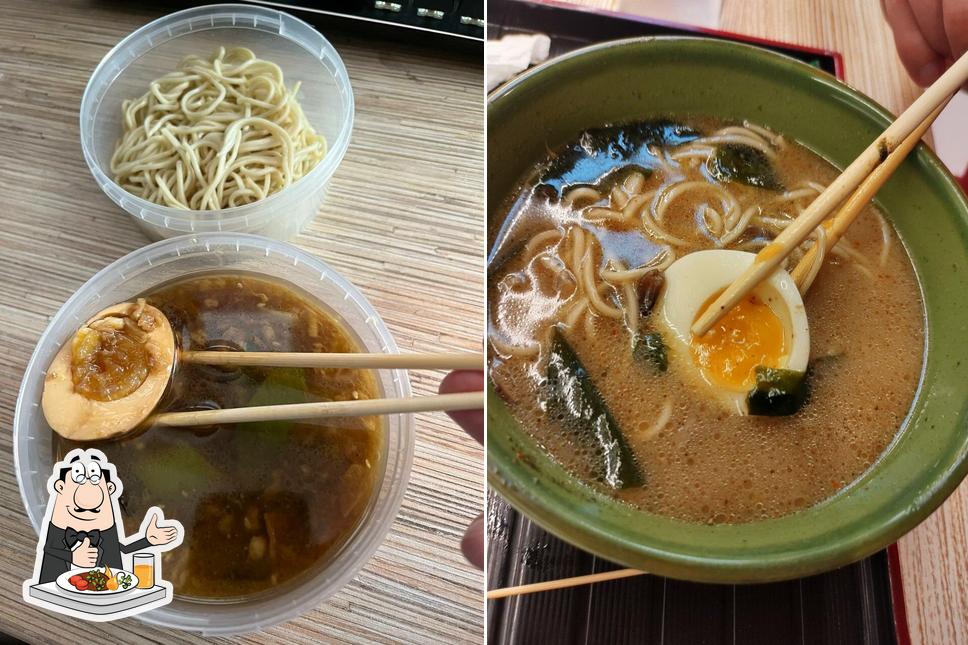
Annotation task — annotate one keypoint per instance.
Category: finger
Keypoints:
(920, 60)
(955, 17)
(154, 521)
(929, 15)
(473, 543)
(85, 543)
(472, 421)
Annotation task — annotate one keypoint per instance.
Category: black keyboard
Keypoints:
(457, 19)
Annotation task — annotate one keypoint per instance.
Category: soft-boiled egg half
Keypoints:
(768, 327)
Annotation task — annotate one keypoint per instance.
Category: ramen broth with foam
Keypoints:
(686, 187)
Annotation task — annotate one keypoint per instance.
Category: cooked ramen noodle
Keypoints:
(262, 502)
(215, 133)
(587, 283)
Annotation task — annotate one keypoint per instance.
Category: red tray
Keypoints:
(571, 27)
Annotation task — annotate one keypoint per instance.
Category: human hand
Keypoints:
(159, 534)
(929, 35)
(85, 555)
(472, 421)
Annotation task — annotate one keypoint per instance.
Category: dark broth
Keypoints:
(707, 465)
(260, 502)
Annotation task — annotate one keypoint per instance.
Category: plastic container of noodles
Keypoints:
(179, 257)
(156, 49)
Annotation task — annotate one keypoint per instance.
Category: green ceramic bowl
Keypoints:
(634, 79)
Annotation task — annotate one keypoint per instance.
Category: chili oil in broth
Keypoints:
(261, 503)
(706, 464)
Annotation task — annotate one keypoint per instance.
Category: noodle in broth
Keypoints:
(608, 214)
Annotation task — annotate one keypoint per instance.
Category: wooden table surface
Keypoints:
(934, 556)
(404, 222)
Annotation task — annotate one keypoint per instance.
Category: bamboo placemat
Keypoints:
(403, 221)
(849, 605)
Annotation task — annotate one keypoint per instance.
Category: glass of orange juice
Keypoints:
(144, 569)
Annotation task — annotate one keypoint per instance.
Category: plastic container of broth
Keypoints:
(180, 257)
(156, 49)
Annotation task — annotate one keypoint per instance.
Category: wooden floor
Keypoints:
(403, 222)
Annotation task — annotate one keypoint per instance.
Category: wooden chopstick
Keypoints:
(837, 225)
(770, 256)
(322, 410)
(563, 583)
(451, 361)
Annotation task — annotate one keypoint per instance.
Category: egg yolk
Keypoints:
(109, 364)
(750, 334)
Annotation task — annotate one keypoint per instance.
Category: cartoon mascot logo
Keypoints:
(86, 567)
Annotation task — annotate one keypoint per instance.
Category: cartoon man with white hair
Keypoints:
(82, 527)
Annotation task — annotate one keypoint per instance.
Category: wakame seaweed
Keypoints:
(573, 395)
(650, 348)
(744, 164)
(778, 392)
(261, 440)
(192, 472)
(598, 150)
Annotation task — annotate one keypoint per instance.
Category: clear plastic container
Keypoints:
(187, 255)
(156, 49)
